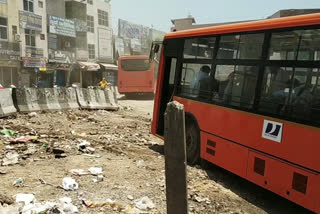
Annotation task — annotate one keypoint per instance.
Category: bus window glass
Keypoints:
(246, 46)
(228, 47)
(292, 45)
(195, 79)
(291, 93)
(235, 85)
(135, 65)
(251, 46)
(200, 48)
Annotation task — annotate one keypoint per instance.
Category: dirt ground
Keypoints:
(132, 161)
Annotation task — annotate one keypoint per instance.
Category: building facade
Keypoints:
(9, 43)
(33, 41)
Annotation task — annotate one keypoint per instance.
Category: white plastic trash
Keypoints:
(144, 203)
(69, 184)
(95, 170)
(25, 198)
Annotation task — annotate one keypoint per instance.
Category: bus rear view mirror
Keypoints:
(154, 50)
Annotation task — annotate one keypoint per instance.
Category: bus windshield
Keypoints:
(135, 65)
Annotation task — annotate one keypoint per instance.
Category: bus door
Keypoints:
(173, 50)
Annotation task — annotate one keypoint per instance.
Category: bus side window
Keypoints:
(195, 80)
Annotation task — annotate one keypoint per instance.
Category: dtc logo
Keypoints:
(272, 131)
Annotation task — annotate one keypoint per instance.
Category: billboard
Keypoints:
(130, 30)
(61, 26)
(105, 43)
(30, 21)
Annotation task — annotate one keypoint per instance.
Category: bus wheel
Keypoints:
(192, 142)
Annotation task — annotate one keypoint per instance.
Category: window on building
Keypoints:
(40, 3)
(90, 1)
(3, 1)
(14, 29)
(28, 5)
(30, 36)
(91, 50)
(90, 23)
(103, 18)
(3, 29)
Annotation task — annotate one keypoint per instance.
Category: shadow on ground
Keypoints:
(137, 97)
(254, 194)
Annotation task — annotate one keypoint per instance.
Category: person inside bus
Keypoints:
(200, 76)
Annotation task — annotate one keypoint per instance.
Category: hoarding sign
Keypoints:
(63, 57)
(30, 21)
(61, 26)
(105, 43)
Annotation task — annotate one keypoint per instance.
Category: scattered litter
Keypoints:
(95, 170)
(8, 132)
(130, 197)
(92, 156)
(84, 146)
(99, 178)
(10, 158)
(67, 205)
(45, 183)
(25, 198)
(69, 184)
(19, 182)
(64, 206)
(141, 164)
(144, 203)
(5, 199)
(24, 139)
(79, 172)
(59, 153)
(32, 114)
(108, 202)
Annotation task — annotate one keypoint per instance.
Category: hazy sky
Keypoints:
(159, 13)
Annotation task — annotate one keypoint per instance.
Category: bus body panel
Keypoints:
(157, 98)
(135, 81)
(237, 156)
(267, 24)
(235, 139)
(247, 131)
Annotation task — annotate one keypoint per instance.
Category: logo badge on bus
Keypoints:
(272, 131)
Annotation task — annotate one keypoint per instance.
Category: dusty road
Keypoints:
(132, 165)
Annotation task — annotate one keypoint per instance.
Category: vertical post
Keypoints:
(175, 159)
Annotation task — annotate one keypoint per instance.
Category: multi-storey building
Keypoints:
(33, 39)
(61, 41)
(9, 43)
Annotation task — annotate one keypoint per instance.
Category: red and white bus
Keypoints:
(251, 93)
(135, 75)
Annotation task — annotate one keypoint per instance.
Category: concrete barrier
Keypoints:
(25, 99)
(67, 98)
(6, 103)
(48, 99)
(96, 99)
(111, 100)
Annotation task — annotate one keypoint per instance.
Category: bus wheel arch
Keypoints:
(192, 139)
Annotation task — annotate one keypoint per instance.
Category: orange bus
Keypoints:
(251, 93)
(135, 75)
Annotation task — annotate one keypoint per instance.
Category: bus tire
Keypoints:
(192, 141)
